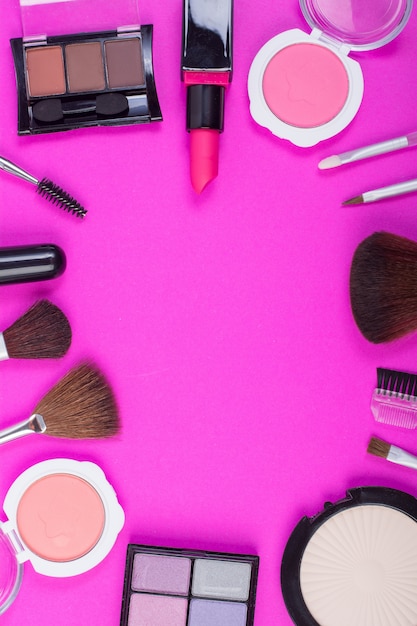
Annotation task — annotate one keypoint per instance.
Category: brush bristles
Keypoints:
(378, 447)
(80, 406)
(383, 287)
(355, 200)
(43, 332)
(58, 196)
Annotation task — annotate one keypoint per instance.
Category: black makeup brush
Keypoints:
(383, 287)
(80, 406)
(46, 188)
(43, 332)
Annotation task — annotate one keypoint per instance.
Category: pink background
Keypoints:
(222, 321)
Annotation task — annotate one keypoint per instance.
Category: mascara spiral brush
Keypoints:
(80, 406)
(43, 332)
(46, 188)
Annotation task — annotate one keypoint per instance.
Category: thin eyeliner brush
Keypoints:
(46, 188)
(383, 147)
(392, 191)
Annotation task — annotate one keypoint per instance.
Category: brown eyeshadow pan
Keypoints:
(85, 69)
(45, 72)
(124, 62)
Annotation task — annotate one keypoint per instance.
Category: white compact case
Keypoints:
(63, 517)
(304, 87)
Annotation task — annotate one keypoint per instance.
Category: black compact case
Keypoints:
(83, 79)
(350, 557)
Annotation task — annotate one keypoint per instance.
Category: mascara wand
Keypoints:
(46, 188)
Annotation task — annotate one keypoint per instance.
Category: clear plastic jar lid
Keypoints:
(361, 24)
(11, 572)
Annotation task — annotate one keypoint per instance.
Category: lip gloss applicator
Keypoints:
(206, 70)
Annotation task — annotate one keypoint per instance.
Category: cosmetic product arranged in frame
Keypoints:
(188, 587)
(206, 69)
(71, 73)
(304, 87)
(394, 400)
(355, 562)
(23, 264)
(63, 516)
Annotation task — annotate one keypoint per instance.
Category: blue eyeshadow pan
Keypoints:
(215, 613)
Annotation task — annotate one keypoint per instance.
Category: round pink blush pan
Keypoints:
(305, 85)
(60, 517)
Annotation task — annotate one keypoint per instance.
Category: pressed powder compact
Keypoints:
(304, 87)
(188, 588)
(355, 562)
(69, 78)
(63, 516)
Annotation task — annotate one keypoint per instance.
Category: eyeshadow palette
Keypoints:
(168, 586)
(100, 78)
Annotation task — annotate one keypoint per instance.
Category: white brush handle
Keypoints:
(4, 355)
(35, 424)
(401, 457)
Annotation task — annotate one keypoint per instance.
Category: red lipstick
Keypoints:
(206, 71)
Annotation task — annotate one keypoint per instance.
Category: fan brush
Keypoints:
(43, 332)
(46, 188)
(383, 287)
(80, 406)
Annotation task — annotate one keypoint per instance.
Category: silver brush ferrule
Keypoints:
(35, 424)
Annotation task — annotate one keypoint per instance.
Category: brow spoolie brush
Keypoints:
(43, 332)
(80, 406)
(46, 188)
(383, 287)
(397, 455)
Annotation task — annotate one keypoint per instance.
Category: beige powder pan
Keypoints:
(354, 564)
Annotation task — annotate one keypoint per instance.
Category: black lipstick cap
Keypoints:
(22, 264)
(207, 36)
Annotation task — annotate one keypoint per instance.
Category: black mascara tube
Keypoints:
(23, 264)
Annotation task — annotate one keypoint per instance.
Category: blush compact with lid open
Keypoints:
(63, 517)
(71, 75)
(303, 86)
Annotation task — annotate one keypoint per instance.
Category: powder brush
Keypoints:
(383, 287)
(46, 188)
(397, 455)
(43, 332)
(80, 406)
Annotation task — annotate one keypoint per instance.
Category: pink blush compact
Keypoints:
(63, 516)
(60, 517)
(305, 85)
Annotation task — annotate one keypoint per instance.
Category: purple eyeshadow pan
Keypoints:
(165, 574)
(214, 613)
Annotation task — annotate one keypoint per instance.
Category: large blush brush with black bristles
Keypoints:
(46, 188)
(80, 406)
(43, 332)
(383, 287)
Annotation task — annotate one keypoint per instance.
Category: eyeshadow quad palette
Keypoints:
(102, 77)
(174, 587)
